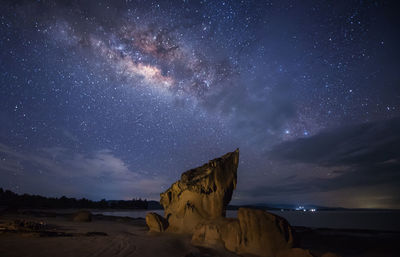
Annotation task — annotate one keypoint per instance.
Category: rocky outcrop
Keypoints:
(201, 194)
(253, 232)
(155, 222)
(196, 205)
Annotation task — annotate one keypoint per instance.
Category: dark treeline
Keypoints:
(13, 200)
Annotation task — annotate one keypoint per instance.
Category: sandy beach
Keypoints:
(57, 235)
(103, 236)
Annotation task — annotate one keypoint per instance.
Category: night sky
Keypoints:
(115, 99)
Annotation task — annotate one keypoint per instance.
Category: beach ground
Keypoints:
(56, 235)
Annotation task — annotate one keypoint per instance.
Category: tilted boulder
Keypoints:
(253, 232)
(201, 194)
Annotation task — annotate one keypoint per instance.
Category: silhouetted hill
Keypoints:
(154, 205)
(12, 200)
(274, 207)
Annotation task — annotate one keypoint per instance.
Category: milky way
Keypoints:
(114, 99)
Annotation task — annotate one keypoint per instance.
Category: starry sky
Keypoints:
(115, 99)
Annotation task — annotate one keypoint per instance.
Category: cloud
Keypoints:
(364, 144)
(355, 156)
(59, 171)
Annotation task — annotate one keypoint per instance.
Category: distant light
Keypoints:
(312, 210)
(287, 132)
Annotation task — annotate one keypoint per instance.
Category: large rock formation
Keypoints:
(253, 232)
(196, 205)
(201, 194)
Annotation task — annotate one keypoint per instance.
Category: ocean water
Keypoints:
(373, 220)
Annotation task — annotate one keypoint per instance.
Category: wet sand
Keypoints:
(58, 236)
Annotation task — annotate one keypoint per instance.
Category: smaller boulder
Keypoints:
(254, 232)
(263, 233)
(155, 222)
(82, 216)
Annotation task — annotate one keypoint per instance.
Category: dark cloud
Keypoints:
(355, 156)
(384, 174)
(358, 145)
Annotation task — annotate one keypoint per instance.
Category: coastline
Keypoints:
(125, 236)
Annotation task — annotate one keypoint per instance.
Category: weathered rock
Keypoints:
(254, 232)
(218, 232)
(201, 194)
(82, 216)
(156, 222)
(264, 233)
(294, 252)
(196, 204)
